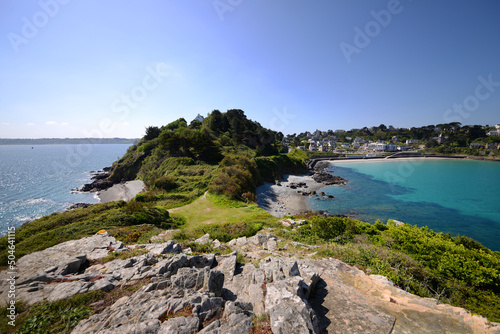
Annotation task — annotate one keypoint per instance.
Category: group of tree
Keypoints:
(219, 140)
(456, 134)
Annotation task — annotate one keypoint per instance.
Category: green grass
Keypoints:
(52, 317)
(211, 209)
(116, 217)
(63, 315)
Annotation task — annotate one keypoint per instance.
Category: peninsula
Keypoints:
(194, 252)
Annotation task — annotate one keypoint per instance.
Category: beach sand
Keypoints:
(122, 191)
(282, 200)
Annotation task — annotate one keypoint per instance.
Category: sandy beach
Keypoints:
(281, 200)
(122, 191)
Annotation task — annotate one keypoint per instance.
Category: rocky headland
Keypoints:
(274, 287)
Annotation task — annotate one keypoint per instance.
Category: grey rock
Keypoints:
(272, 245)
(205, 239)
(242, 241)
(216, 244)
(288, 320)
(201, 261)
(180, 325)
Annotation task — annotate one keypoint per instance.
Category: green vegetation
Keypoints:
(116, 217)
(448, 139)
(51, 317)
(63, 315)
(202, 177)
(456, 270)
(178, 163)
(222, 218)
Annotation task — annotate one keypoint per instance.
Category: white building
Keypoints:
(199, 118)
(411, 141)
(493, 133)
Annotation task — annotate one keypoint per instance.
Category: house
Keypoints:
(323, 148)
(303, 148)
(391, 147)
(492, 146)
(377, 146)
(475, 145)
(493, 133)
(411, 141)
(497, 126)
(331, 144)
(394, 139)
(440, 139)
(404, 147)
(199, 118)
(313, 147)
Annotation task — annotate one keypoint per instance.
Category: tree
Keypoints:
(152, 132)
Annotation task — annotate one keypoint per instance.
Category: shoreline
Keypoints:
(281, 200)
(121, 191)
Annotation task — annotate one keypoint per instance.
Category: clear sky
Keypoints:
(88, 68)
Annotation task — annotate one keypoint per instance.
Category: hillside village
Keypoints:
(442, 138)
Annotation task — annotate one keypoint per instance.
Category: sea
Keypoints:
(460, 197)
(39, 180)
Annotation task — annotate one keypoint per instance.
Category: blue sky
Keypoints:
(75, 68)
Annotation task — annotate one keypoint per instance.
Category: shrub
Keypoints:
(166, 183)
(328, 227)
(227, 231)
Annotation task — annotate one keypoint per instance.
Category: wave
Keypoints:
(38, 201)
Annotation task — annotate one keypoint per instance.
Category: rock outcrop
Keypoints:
(209, 293)
(100, 181)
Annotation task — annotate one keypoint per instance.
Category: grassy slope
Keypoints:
(210, 209)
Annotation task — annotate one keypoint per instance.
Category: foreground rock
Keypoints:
(216, 294)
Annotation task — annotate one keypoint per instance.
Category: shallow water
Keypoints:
(454, 196)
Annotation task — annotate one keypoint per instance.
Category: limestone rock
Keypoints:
(204, 239)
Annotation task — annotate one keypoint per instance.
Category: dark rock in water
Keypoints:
(328, 179)
(79, 206)
(97, 185)
(330, 196)
(100, 181)
(322, 193)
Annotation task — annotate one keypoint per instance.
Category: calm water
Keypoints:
(455, 196)
(37, 181)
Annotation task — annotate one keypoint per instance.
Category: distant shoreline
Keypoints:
(66, 141)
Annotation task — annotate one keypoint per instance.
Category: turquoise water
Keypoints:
(37, 180)
(451, 196)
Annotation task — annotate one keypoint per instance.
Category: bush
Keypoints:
(166, 183)
(228, 231)
(328, 227)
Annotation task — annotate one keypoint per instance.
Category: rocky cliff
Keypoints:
(273, 291)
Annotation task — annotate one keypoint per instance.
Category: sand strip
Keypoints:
(281, 200)
(122, 191)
